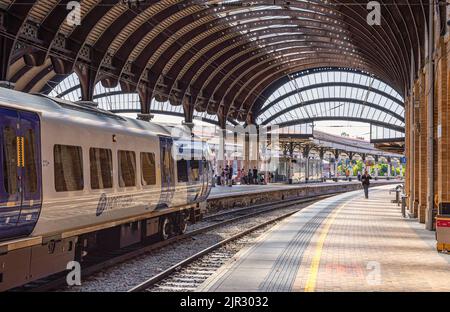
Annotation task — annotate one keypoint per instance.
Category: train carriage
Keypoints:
(80, 178)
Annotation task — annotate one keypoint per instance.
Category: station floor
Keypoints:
(343, 243)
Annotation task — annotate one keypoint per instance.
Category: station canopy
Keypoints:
(224, 60)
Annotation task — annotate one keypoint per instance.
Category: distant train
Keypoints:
(80, 179)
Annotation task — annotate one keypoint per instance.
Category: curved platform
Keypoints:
(343, 243)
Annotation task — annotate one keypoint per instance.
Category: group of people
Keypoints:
(251, 177)
(225, 176)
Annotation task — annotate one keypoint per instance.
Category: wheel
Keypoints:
(182, 226)
(166, 228)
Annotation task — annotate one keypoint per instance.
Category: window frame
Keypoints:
(141, 154)
(111, 167)
(80, 148)
(5, 189)
(119, 169)
(185, 171)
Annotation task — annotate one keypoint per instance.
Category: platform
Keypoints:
(225, 197)
(225, 191)
(343, 243)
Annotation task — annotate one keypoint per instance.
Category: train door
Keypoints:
(206, 174)
(20, 172)
(167, 172)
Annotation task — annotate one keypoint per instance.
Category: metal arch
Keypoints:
(268, 71)
(209, 74)
(401, 32)
(275, 21)
(329, 84)
(264, 73)
(156, 74)
(355, 119)
(287, 77)
(232, 94)
(248, 64)
(323, 100)
(262, 80)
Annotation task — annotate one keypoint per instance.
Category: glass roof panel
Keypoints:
(367, 98)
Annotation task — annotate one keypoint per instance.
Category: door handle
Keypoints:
(20, 152)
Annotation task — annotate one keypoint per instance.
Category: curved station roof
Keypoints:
(241, 61)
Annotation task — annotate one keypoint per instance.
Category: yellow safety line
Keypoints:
(314, 269)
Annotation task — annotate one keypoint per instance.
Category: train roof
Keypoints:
(79, 113)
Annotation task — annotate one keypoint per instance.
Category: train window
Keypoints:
(30, 162)
(182, 171)
(10, 160)
(68, 168)
(195, 170)
(148, 169)
(101, 168)
(127, 168)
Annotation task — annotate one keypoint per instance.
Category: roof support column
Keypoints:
(87, 82)
(145, 98)
(429, 217)
(409, 147)
(336, 161)
(422, 158)
(416, 150)
(443, 131)
(220, 155)
(305, 152)
(389, 163)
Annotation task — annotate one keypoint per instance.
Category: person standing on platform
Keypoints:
(230, 176)
(243, 177)
(365, 180)
(222, 177)
(226, 175)
(255, 175)
(249, 177)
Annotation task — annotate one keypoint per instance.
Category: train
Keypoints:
(75, 179)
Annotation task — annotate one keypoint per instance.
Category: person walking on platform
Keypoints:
(230, 176)
(249, 177)
(365, 180)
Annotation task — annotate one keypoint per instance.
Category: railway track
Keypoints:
(97, 263)
(190, 273)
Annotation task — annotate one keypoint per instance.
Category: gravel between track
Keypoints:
(126, 275)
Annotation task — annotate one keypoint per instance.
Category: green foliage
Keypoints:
(358, 167)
